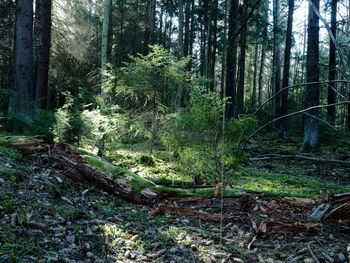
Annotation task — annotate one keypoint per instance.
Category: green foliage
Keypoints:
(69, 124)
(204, 143)
(148, 85)
(14, 247)
(7, 149)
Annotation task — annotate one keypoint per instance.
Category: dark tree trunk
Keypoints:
(187, 29)
(231, 60)
(149, 34)
(276, 70)
(42, 84)
(256, 54)
(332, 65)
(181, 29)
(20, 106)
(311, 123)
(283, 132)
(242, 58)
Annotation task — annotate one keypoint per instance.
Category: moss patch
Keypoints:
(137, 183)
(283, 185)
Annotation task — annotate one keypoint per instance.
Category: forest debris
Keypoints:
(59, 180)
(30, 145)
(300, 201)
(312, 253)
(319, 212)
(14, 218)
(63, 198)
(186, 212)
(340, 212)
(268, 226)
(298, 157)
(34, 224)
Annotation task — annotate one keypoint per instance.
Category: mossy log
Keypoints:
(88, 170)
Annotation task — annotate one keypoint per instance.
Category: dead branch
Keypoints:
(298, 157)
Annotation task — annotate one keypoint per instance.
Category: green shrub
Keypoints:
(203, 143)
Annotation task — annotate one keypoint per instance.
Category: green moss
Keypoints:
(13, 247)
(136, 183)
(80, 150)
(283, 185)
(12, 175)
(9, 203)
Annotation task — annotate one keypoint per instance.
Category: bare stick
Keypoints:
(292, 114)
(295, 86)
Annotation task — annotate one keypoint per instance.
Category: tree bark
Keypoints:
(242, 58)
(276, 70)
(213, 43)
(283, 131)
(332, 65)
(311, 125)
(105, 32)
(181, 29)
(20, 105)
(42, 84)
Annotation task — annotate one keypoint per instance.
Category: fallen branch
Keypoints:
(298, 157)
(186, 212)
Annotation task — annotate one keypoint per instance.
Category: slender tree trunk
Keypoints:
(181, 29)
(149, 34)
(213, 44)
(187, 29)
(276, 70)
(42, 84)
(161, 17)
(256, 54)
(283, 132)
(104, 47)
(242, 58)
(20, 105)
(311, 124)
(231, 60)
(263, 54)
(332, 65)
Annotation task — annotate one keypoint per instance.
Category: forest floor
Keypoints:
(46, 217)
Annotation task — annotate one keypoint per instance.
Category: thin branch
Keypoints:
(292, 114)
(298, 85)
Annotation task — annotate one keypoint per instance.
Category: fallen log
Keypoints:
(112, 179)
(269, 226)
(298, 157)
(30, 145)
(186, 212)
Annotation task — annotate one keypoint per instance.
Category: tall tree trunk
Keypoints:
(231, 60)
(283, 131)
(20, 105)
(263, 54)
(105, 32)
(276, 70)
(181, 29)
(256, 54)
(42, 84)
(242, 58)
(213, 43)
(150, 25)
(311, 124)
(332, 65)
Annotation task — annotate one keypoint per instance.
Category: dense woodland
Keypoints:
(226, 121)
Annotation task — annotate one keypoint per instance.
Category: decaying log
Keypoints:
(268, 226)
(60, 156)
(298, 157)
(30, 145)
(186, 212)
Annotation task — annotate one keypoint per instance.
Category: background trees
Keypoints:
(234, 49)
